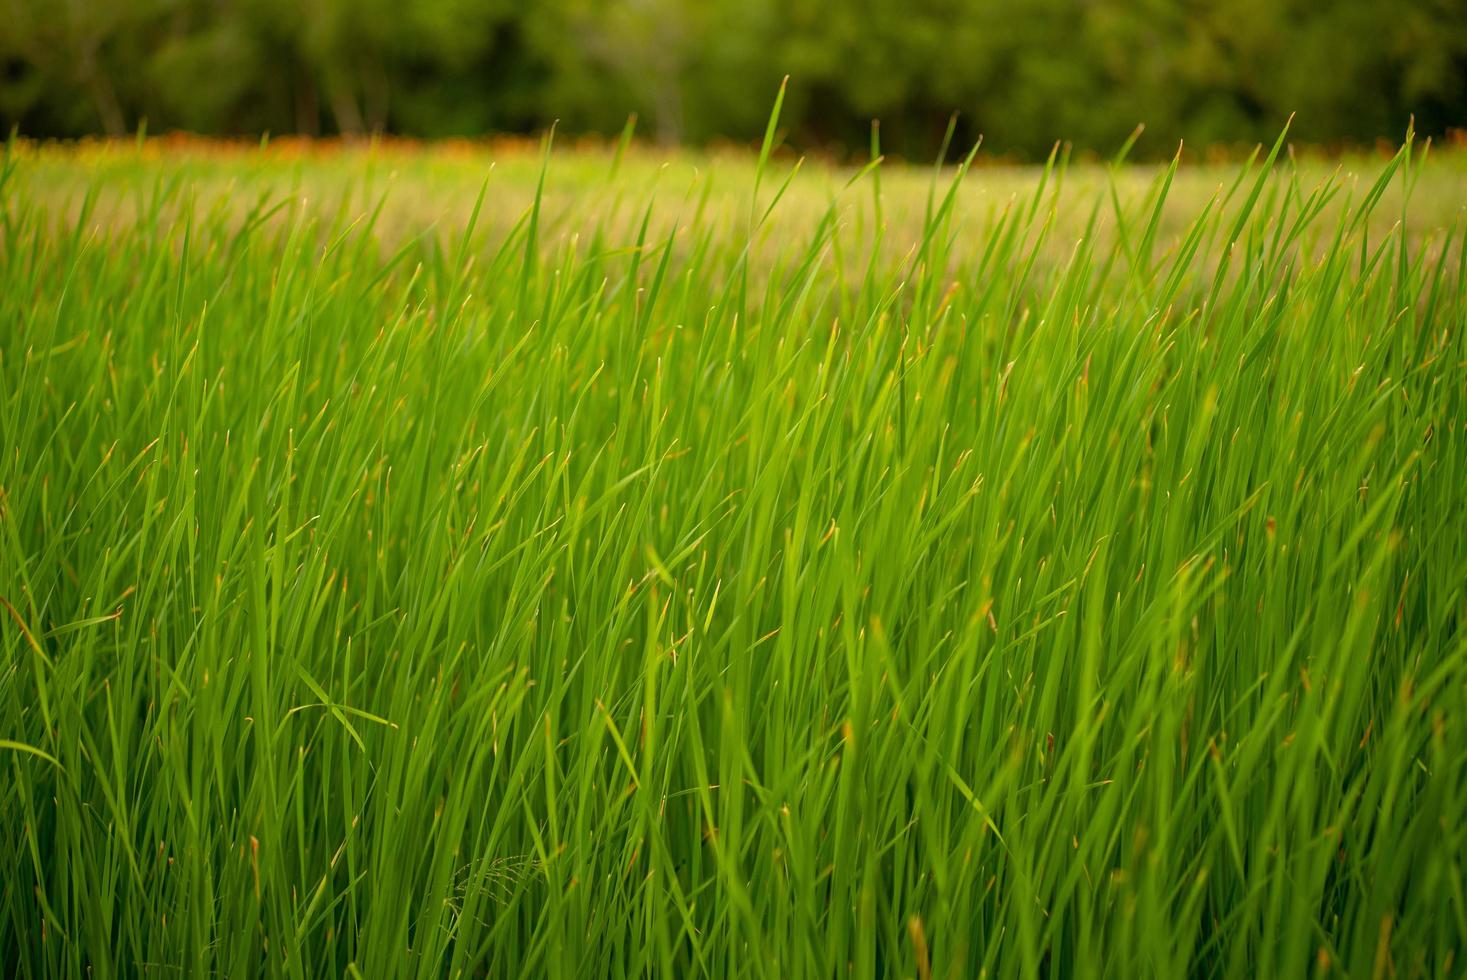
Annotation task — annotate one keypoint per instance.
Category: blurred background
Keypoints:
(1024, 73)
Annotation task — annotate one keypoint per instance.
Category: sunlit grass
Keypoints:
(624, 569)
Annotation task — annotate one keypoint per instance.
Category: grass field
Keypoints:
(460, 561)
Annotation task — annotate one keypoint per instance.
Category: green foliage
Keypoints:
(618, 575)
(1023, 72)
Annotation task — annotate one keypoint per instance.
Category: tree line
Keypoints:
(1021, 72)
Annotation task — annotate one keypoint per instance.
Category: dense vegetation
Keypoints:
(1022, 72)
(702, 570)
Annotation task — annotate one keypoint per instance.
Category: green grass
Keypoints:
(413, 568)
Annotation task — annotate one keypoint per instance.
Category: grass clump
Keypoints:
(1071, 585)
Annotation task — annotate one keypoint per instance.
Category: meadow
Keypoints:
(505, 560)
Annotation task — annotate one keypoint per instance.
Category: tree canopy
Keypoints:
(1024, 73)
